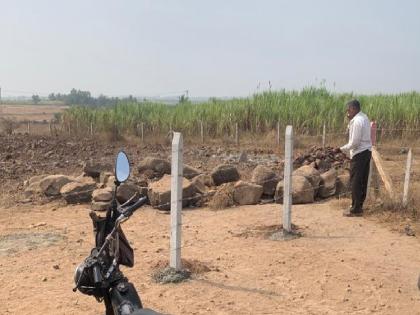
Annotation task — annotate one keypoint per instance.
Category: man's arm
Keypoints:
(356, 136)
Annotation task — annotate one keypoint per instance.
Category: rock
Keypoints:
(199, 185)
(103, 194)
(190, 172)
(100, 205)
(205, 179)
(243, 157)
(52, 184)
(343, 184)
(247, 193)
(223, 197)
(109, 182)
(264, 176)
(328, 183)
(125, 191)
(224, 173)
(302, 191)
(95, 169)
(104, 176)
(77, 192)
(160, 193)
(33, 186)
(34, 179)
(311, 174)
(157, 165)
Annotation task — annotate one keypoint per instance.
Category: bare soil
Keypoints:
(339, 265)
(30, 112)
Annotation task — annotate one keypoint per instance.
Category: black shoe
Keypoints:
(353, 214)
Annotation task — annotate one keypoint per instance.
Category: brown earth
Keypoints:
(30, 112)
(339, 266)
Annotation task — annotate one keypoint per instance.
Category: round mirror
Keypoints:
(122, 167)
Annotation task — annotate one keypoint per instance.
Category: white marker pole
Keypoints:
(176, 201)
(407, 178)
(287, 192)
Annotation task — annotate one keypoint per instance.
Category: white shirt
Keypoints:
(359, 135)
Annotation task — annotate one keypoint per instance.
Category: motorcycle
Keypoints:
(99, 274)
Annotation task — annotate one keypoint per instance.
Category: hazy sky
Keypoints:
(211, 48)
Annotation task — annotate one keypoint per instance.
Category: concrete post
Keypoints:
(407, 178)
(176, 201)
(278, 133)
(287, 187)
(323, 136)
(236, 134)
(202, 132)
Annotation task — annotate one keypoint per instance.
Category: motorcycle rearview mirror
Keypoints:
(122, 167)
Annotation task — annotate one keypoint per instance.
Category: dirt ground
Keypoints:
(339, 266)
(30, 112)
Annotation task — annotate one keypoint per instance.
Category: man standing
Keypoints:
(360, 150)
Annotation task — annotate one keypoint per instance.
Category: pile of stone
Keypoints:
(321, 159)
(318, 175)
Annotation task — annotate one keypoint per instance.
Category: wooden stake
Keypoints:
(384, 176)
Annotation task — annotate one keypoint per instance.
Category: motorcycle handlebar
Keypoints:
(129, 210)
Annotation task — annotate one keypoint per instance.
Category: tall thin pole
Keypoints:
(287, 193)
(407, 178)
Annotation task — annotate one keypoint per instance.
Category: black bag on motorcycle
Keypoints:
(126, 257)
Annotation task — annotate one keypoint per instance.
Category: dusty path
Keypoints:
(340, 265)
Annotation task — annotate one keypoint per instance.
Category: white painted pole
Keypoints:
(142, 132)
(176, 201)
(91, 128)
(323, 136)
(278, 133)
(29, 127)
(407, 178)
(287, 186)
(236, 134)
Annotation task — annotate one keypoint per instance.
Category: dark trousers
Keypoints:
(359, 174)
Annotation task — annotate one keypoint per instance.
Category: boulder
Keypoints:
(77, 192)
(247, 193)
(205, 179)
(33, 179)
(328, 183)
(103, 194)
(94, 170)
(224, 173)
(157, 165)
(109, 182)
(100, 205)
(104, 177)
(264, 176)
(33, 186)
(302, 191)
(126, 191)
(199, 185)
(222, 197)
(311, 174)
(243, 157)
(52, 184)
(343, 184)
(190, 172)
(160, 193)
